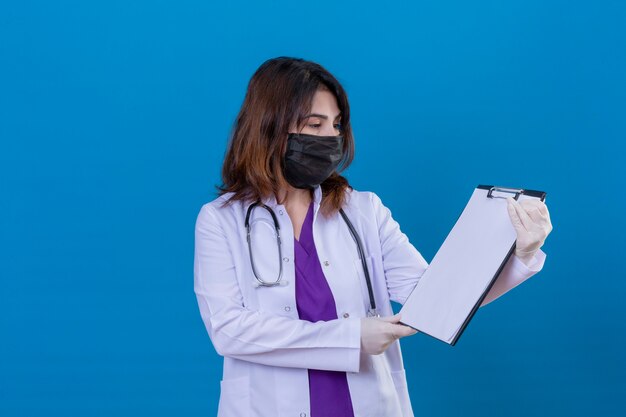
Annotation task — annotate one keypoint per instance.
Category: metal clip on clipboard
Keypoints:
(541, 195)
(515, 191)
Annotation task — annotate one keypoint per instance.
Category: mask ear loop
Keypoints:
(259, 281)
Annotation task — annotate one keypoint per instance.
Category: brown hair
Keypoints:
(280, 93)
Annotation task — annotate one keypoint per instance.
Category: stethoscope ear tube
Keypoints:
(359, 246)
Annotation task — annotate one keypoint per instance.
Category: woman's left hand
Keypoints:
(531, 221)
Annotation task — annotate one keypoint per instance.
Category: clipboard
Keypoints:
(466, 265)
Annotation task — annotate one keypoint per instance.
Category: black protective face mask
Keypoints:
(310, 159)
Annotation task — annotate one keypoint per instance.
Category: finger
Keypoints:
(391, 319)
(517, 223)
(393, 333)
(543, 217)
(401, 330)
(533, 204)
(546, 212)
(538, 205)
(411, 330)
(549, 222)
(536, 215)
(523, 215)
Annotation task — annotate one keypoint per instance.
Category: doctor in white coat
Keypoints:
(289, 143)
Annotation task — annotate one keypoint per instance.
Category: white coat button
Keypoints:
(286, 259)
(287, 308)
(302, 414)
(280, 212)
(346, 315)
(326, 263)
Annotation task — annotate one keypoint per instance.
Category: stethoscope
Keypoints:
(261, 282)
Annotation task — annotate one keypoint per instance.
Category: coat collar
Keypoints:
(317, 199)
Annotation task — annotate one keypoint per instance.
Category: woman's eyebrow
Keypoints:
(321, 116)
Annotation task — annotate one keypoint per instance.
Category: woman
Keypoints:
(281, 285)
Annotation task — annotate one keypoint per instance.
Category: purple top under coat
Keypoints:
(328, 390)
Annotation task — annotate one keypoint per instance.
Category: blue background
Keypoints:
(114, 117)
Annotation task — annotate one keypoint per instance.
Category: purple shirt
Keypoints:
(328, 390)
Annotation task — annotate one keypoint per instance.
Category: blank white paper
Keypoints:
(463, 267)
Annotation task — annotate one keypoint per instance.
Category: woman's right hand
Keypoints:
(377, 333)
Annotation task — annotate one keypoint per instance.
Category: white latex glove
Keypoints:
(377, 333)
(531, 220)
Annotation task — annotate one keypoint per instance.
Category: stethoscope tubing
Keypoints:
(359, 246)
(260, 281)
(353, 232)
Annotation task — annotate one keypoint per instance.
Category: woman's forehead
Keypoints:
(324, 104)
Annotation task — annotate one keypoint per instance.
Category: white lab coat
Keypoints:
(266, 348)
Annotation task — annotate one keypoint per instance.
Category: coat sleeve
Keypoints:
(404, 265)
(259, 336)
(514, 273)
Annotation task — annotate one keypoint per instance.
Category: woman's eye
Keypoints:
(338, 126)
(314, 125)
